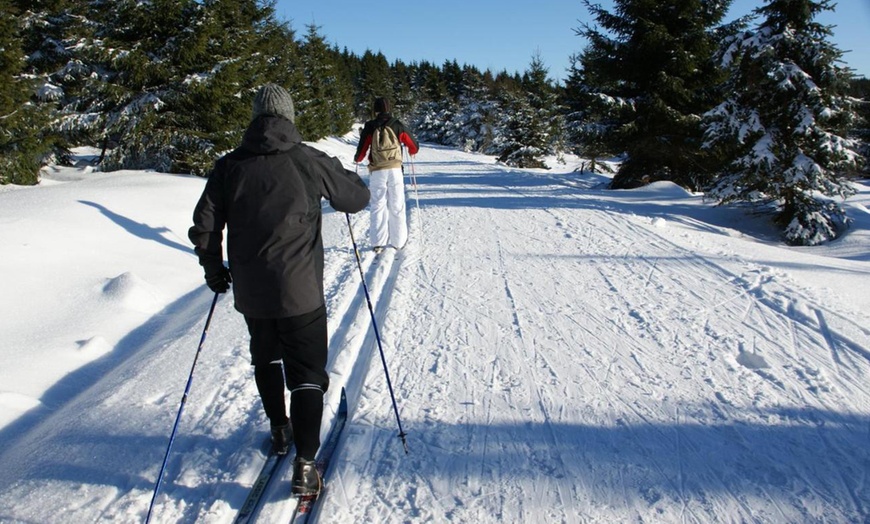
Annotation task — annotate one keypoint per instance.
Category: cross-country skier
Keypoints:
(382, 137)
(267, 193)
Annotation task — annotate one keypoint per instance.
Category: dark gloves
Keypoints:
(218, 279)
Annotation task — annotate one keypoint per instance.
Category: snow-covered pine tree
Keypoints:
(461, 112)
(24, 145)
(783, 124)
(65, 57)
(479, 112)
(543, 96)
(586, 117)
(860, 92)
(434, 106)
(652, 66)
(531, 119)
(520, 141)
(142, 51)
(324, 103)
(206, 62)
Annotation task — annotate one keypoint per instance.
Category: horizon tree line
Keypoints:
(759, 110)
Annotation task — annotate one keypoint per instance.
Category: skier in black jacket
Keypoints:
(267, 193)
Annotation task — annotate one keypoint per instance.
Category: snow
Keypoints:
(559, 352)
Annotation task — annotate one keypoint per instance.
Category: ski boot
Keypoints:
(306, 478)
(281, 438)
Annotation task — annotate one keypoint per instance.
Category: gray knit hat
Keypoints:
(273, 99)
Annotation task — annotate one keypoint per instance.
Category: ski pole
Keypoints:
(416, 194)
(402, 433)
(181, 408)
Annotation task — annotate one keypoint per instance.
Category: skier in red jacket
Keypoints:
(383, 137)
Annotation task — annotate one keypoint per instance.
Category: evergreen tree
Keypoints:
(63, 45)
(783, 123)
(194, 99)
(453, 78)
(860, 91)
(656, 76)
(376, 80)
(543, 97)
(586, 118)
(404, 101)
(23, 145)
(141, 54)
(468, 120)
(324, 104)
(531, 122)
(433, 86)
(479, 113)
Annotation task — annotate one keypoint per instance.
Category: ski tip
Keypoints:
(342, 405)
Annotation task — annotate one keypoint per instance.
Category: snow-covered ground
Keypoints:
(559, 352)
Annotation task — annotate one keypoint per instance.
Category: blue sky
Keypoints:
(504, 34)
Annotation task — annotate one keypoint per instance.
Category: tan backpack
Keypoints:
(386, 149)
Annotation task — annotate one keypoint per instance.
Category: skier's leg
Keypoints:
(269, 377)
(270, 384)
(396, 205)
(266, 358)
(378, 232)
(304, 341)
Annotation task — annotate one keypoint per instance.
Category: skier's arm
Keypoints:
(344, 189)
(365, 140)
(209, 219)
(408, 140)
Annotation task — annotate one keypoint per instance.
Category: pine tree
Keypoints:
(655, 75)
(586, 118)
(531, 123)
(63, 45)
(324, 104)
(543, 97)
(479, 113)
(23, 145)
(782, 127)
(404, 99)
(142, 54)
(376, 80)
(191, 100)
(860, 91)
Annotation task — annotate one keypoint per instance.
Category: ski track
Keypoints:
(619, 394)
(687, 413)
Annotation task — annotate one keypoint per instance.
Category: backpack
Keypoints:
(386, 149)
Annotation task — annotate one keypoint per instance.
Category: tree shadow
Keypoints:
(139, 229)
(807, 456)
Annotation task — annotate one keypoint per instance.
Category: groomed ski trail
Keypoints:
(559, 353)
(559, 369)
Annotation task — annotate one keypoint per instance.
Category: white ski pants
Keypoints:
(389, 225)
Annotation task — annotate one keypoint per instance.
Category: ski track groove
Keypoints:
(536, 356)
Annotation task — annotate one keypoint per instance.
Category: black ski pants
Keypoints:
(299, 346)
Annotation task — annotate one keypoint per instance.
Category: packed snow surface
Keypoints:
(559, 353)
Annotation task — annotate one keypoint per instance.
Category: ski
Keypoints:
(249, 509)
(307, 504)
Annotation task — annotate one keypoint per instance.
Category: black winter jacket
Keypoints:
(267, 192)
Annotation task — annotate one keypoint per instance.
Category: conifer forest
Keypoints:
(758, 111)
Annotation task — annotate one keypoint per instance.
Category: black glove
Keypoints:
(218, 279)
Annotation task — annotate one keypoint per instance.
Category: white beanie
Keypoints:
(273, 99)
